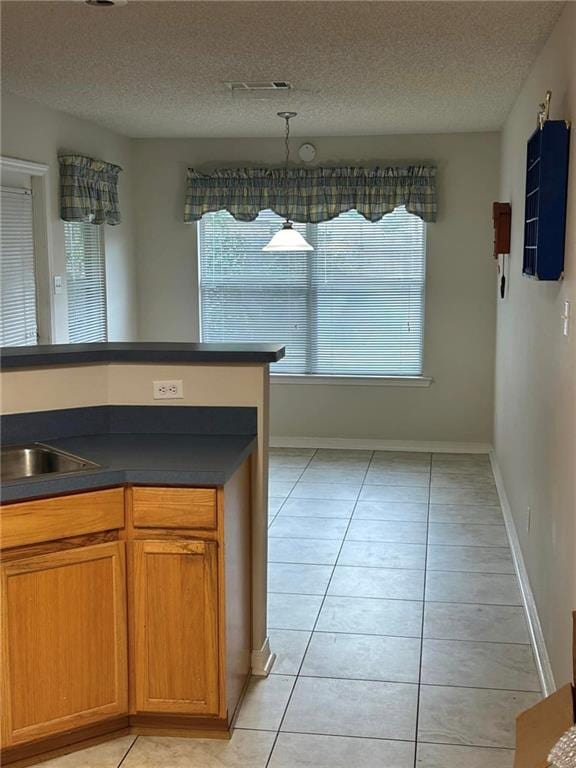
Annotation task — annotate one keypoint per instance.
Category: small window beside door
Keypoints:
(86, 283)
(18, 317)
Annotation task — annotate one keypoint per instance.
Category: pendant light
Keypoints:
(287, 239)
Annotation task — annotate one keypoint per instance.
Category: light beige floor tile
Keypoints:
(387, 530)
(345, 464)
(363, 657)
(296, 750)
(293, 611)
(387, 476)
(467, 535)
(280, 488)
(403, 511)
(393, 493)
(265, 702)
(298, 578)
(319, 551)
(106, 755)
(282, 474)
(379, 554)
(468, 716)
(333, 475)
(473, 559)
(480, 496)
(460, 481)
(488, 623)
(453, 462)
(402, 618)
(465, 513)
(289, 645)
(400, 584)
(487, 588)
(352, 708)
(274, 505)
(318, 508)
(245, 748)
(479, 665)
(443, 756)
(326, 490)
(336, 454)
(402, 457)
(298, 453)
(277, 461)
(308, 528)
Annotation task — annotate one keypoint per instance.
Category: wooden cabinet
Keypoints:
(176, 627)
(124, 609)
(64, 649)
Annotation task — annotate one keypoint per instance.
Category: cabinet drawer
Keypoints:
(31, 522)
(174, 507)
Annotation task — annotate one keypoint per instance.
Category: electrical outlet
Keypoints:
(168, 390)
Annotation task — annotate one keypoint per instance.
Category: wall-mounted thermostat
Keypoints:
(307, 153)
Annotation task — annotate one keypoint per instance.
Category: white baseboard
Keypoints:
(535, 628)
(426, 446)
(263, 660)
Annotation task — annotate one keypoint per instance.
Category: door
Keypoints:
(176, 627)
(64, 647)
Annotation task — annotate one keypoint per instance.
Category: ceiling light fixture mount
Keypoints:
(287, 239)
(105, 3)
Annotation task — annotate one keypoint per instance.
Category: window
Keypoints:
(18, 322)
(352, 306)
(86, 282)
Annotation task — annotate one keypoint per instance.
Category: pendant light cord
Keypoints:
(286, 165)
(287, 116)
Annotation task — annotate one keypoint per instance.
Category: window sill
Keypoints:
(352, 381)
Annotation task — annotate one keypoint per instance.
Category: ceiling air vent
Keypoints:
(259, 86)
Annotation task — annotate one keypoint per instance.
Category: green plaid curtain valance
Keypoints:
(312, 195)
(88, 190)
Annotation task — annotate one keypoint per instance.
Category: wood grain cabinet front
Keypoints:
(176, 644)
(64, 646)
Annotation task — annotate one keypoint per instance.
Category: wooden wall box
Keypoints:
(546, 196)
(502, 218)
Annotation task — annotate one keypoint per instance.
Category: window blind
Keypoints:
(352, 306)
(18, 324)
(86, 282)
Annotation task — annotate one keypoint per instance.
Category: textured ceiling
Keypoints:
(157, 69)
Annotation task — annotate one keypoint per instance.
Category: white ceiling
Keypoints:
(156, 69)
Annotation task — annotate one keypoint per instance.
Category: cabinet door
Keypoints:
(176, 627)
(64, 647)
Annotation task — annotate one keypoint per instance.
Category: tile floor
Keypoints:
(396, 616)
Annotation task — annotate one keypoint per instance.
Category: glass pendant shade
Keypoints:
(288, 239)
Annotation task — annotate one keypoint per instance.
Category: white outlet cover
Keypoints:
(171, 389)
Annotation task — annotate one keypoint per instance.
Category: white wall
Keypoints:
(535, 418)
(33, 132)
(460, 327)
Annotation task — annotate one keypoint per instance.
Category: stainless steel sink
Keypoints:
(22, 461)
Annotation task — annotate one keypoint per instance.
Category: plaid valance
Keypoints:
(311, 195)
(88, 190)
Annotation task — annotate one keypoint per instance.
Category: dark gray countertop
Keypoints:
(141, 352)
(191, 460)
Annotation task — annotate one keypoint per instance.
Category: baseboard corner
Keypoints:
(542, 658)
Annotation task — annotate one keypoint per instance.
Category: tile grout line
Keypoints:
(286, 497)
(127, 752)
(423, 619)
(298, 674)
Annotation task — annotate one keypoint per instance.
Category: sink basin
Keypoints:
(22, 461)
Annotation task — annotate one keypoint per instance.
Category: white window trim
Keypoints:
(42, 250)
(351, 381)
